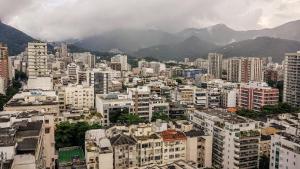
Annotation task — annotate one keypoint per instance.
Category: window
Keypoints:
(47, 130)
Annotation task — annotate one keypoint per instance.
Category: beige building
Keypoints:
(98, 150)
(141, 98)
(125, 151)
(37, 60)
(199, 148)
(174, 146)
(79, 96)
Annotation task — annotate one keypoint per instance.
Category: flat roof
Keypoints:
(226, 116)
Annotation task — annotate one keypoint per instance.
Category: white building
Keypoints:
(122, 59)
(86, 58)
(285, 151)
(41, 83)
(111, 105)
(235, 139)
(38, 100)
(291, 89)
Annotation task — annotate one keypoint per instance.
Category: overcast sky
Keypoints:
(64, 19)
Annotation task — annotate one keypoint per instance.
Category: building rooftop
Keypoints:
(122, 139)
(195, 133)
(290, 137)
(172, 135)
(226, 116)
(27, 145)
(28, 129)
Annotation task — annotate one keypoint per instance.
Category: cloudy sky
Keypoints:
(64, 19)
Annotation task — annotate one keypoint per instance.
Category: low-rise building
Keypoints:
(34, 100)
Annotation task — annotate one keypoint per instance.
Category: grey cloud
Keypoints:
(63, 19)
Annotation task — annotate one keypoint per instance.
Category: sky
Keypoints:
(54, 20)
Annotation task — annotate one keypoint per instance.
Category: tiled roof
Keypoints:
(172, 135)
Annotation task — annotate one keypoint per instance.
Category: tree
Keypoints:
(160, 115)
(130, 118)
(72, 134)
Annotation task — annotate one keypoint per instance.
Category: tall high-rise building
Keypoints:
(100, 80)
(4, 69)
(37, 60)
(245, 69)
(122, 59)
(234, 66)
(64, 50)
(215, 65)
(291, 89)
(235, 139)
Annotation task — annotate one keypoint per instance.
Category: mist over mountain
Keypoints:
(260, 47)
(128, 40)
(223, 35)
(191, 42)
(192, 47)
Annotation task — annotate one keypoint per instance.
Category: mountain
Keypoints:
(127, 40)
(15, 39)
(192, 47)
(260, 47)
(221, 34)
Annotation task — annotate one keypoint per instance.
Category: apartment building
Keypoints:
(185, 95)
(141, 98)
(98, 150)
(174, 146)
(79, 96)
(285, 151)
(112, 105)
(241, 69)
(72, 72)
(34, 100)
(27, 140)
(235, 139)
(256, 95)
(291, 89)
(215, 65)
(4, 68)
(199, 148)
(85, 58)
(149, 146)
(234, 69)
(100, 80)
(122, 60)
(207, 98)
(37, 60)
